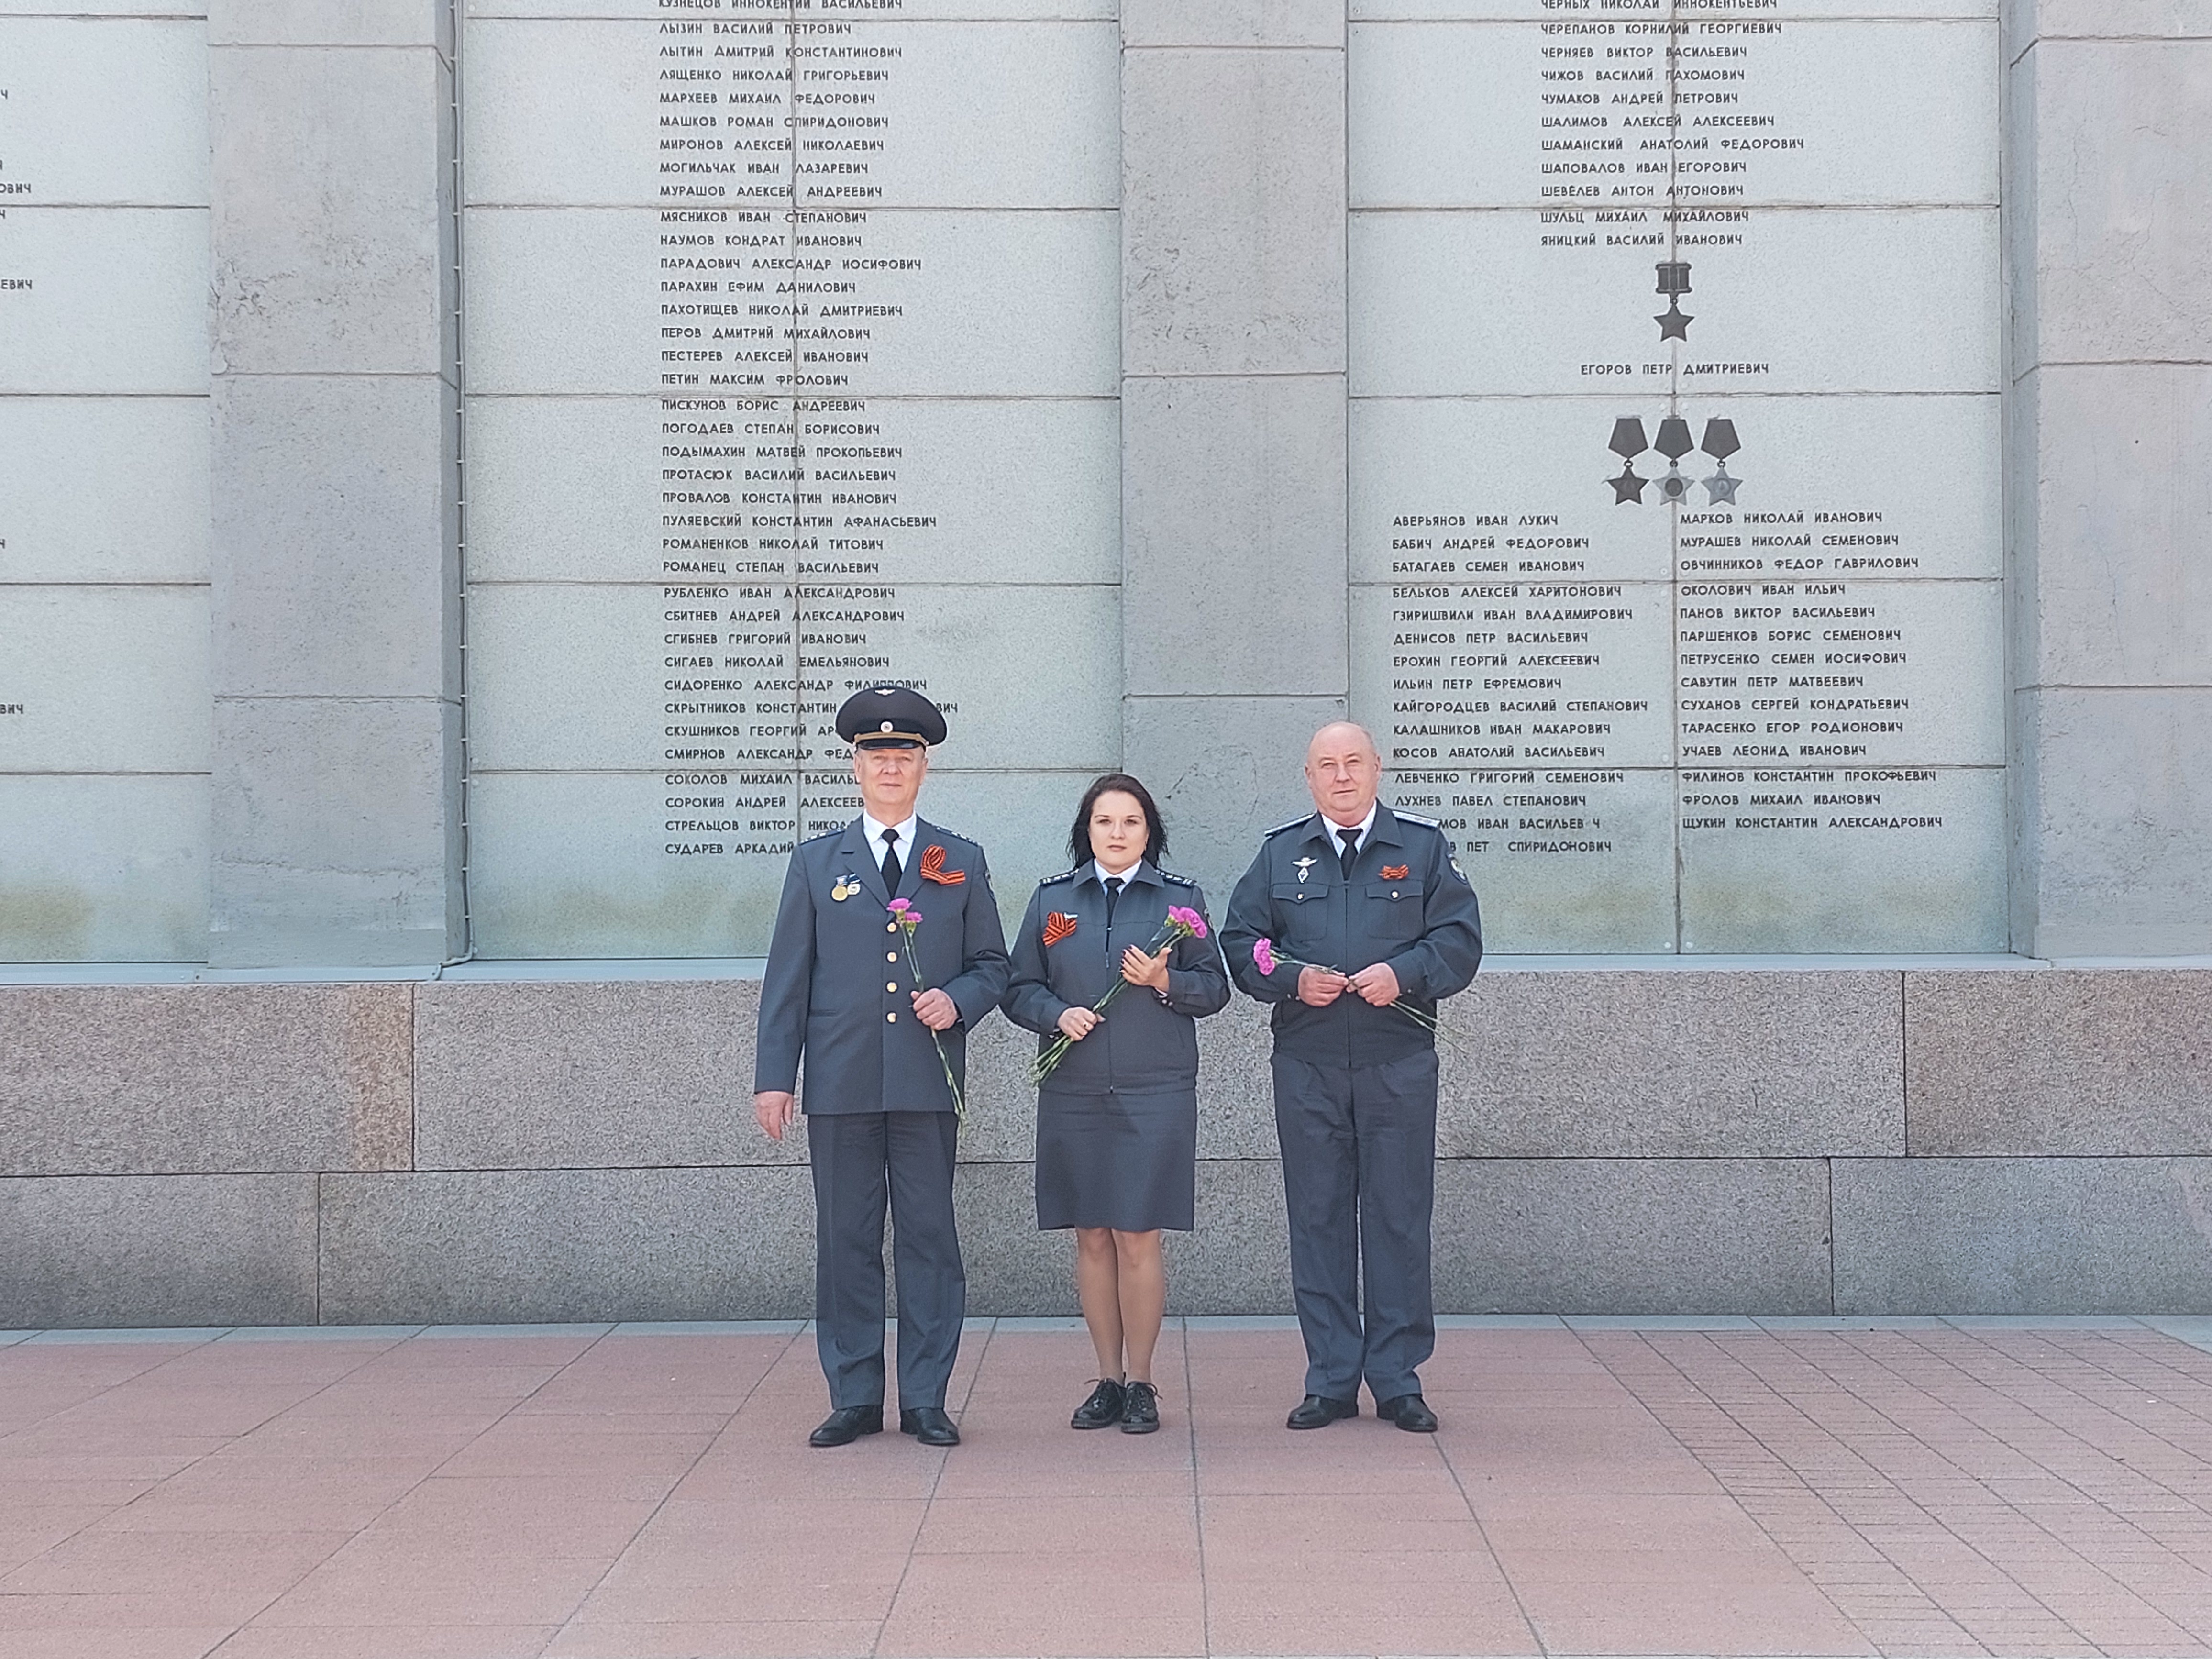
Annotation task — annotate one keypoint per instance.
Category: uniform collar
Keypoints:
(1141, 873)
(1381, 825)
(873, 828)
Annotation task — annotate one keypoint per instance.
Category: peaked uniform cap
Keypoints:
(890, 715)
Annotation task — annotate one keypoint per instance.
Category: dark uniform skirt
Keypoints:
(1125, 1161)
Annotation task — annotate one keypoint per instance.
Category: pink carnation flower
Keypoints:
(1184, 916)
(900, 907)
(1263, 955)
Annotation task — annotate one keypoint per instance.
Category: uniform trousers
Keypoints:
(1359, 1151)
(859, 1159)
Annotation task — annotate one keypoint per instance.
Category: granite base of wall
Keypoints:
(1797, 1141)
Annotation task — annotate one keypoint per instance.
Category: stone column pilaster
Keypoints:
(1233, 407)
(337, 763)
(2109, 421)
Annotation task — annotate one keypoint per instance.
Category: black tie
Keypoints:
(891, 871)
(1113, 892)
(1351, 840)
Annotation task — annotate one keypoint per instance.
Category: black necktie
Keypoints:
(891, 871)
(1351, 840)
(1113, 892)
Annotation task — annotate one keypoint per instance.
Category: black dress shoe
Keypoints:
(1318, 1411)
(1140, 1409)
(1409, 1411)
(1103, 1410)
(848, 1423)
(929, 1425)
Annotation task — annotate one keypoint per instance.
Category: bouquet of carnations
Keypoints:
(1266, 958)
(1182, 923)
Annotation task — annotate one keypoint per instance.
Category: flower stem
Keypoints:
(959, 1101)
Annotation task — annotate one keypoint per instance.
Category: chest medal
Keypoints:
(845, 889)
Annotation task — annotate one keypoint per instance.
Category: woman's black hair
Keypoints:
(1156, 833)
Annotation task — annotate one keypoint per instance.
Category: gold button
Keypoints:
(891, 927)
(1394, 893)
(890, 956)
(890, 985)
(892, 1017)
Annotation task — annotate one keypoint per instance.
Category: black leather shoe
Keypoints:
(1318, 1411)
(1140, 1409)
(1409, 1411)
(929, 1425)
(848, 1423)
(1103, 1410)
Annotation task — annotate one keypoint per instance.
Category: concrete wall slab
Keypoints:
(143, 1250)
(184, 1079)
(104, 869)
(331, 23)
(2058, 1064)
(1232, 212)
(2119, 807)
(2018, 1235)
(335, 832)
(1645, 1235)
(1671, 1065)
(1233, 22)
(527, 1246)
(2120, 507)
(1233, 498)
(636, 1075)
(333, 210)
(336, 524)
(2119, 273)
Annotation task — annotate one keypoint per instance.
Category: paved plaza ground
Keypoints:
(1615, 1487)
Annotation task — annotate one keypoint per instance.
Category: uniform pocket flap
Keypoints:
(1396, 892)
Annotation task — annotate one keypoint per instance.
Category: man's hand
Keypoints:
(1319, 987)
(1077, 1024)
(1377, 986)
(775, 1108)
(935, 1010)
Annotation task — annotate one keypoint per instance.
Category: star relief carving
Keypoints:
(1628, 488)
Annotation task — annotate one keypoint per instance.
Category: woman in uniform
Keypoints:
(1117, 1113)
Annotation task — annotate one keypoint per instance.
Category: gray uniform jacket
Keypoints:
(1406, 903)
(840, 989)
(1148, 1045)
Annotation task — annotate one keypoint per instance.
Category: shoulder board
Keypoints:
(1065, 875)
(1179, 881)
(1415, 818)
(826, 835)
(950, 834)
(1303, 818)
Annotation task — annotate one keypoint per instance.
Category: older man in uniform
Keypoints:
(841, 992)
(1366, 906)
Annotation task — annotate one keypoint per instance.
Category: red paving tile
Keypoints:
(1932, 1490)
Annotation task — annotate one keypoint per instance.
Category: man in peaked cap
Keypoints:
(842, 993)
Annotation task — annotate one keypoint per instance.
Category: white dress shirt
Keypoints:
(1336, 829)
(903, 839)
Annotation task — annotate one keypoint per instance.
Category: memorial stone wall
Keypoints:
(792, 368)
(790, 356)
(1742, 457)
(1676, 492)
(1675, 544)
(105, 700)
